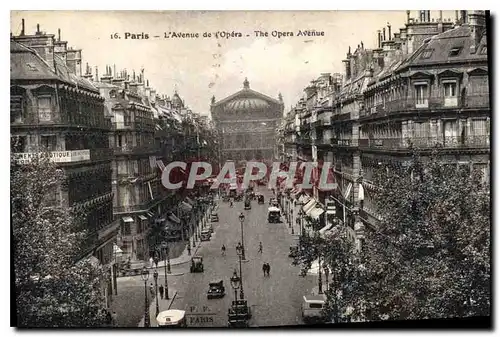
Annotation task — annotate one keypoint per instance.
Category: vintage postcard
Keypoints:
(249, 169)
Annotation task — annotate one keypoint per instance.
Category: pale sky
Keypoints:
(202, 67)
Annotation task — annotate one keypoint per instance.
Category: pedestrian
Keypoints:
(156, 261)
(152, 289)
(231, 203)
(264, 268)
(151, 262)
(109, 318)
(268, 269)
(223, 250)
(114, 319)
(161, 291)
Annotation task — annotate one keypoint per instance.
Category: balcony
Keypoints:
(341, 117)
(140, 149)
(439, 102)
(342, 142)
(74, 156)
(469, 142)
(133, 126)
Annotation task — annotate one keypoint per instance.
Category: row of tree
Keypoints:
(428, 257)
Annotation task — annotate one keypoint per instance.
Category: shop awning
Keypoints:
(309, 206)
(185, 207)
(173, 218)
(127, 219)
(361, 193)
(316, 212)
(142, 217)
(304, 199)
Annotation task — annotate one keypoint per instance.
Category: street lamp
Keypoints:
(145, 276)
(167, 262)
(327, 272)
(155, 275)
(242, 218)
(235, 283)
(239, 251)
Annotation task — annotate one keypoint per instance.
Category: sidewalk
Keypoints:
(163, 305)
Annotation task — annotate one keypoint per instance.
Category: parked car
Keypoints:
(312, 307)
(206, 234)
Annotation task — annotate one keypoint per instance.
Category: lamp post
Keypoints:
(145, 277)
(155, 275)
(242, 218)
(291, 215)
(165, 246)
(239, 250)
(235, 283)
(327, 272)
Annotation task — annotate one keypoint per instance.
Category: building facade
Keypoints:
(425, 86)
(247, 122)
(55, 110)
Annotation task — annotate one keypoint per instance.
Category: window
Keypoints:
(125, 228)
(315, 305)
(44, 108)
(49, 143)
(16, 108)
(421, 94)
(450, 89)
(427, 53)
(455, 51)
(484, 50)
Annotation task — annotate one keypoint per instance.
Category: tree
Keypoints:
(54, 287)
(335, 253)
(429, 255)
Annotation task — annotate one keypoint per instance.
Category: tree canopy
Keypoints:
(427, 257)
(54, 286)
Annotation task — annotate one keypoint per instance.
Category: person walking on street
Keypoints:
(260, 247)
(223, 250)
(161, 291)
(152, 289)
(264, 268)
(268, 269)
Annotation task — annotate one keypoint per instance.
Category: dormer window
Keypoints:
(455, 51)
(484, 50)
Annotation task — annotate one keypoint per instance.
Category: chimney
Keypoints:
(428, 15)
(477, 22)
(456, 16)
(147, 83)
(74, 61)
(114, 70)
(22, 27)
(379, 37)
(407, 17)
(383, 29)
(37, 29)
(59, 34)
(96, 74)
(389, 30)
(463, 17)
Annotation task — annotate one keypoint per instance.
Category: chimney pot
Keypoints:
(22, 27)
(38, 28)
(383, 29)
(389, 32)
(59, 34)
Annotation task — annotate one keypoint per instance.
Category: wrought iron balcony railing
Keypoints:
(426, 142)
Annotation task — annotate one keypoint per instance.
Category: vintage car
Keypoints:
(312, 307)
(216, 290)
(172, 318)
(206, 234)
(248, 204)
(273, 215)
(196, 264)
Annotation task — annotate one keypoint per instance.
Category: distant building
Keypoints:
(247, 121)
(53, 109)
